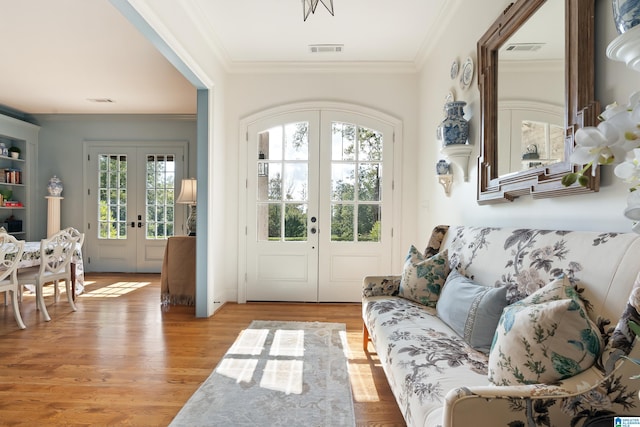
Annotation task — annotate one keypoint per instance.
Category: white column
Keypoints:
(53, 215)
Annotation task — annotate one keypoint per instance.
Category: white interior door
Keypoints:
(130, 205)
(319, 198)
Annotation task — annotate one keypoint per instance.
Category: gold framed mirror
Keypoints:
(539, 178)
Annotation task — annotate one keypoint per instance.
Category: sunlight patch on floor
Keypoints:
(280, 375)
(113, 291)
(362, 385)
(360, 371)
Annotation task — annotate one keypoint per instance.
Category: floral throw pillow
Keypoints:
(423, 278)
(544, 338)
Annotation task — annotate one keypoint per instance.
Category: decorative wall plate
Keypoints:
(466, 75)
(454, 69)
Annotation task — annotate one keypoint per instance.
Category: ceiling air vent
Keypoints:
(326, 48)
(523, 47)
(101, 100)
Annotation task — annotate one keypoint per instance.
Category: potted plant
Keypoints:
(14, 151)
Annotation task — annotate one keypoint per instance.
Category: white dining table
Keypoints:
(31, 258)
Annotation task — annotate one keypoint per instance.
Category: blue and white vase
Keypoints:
(55, 186)
(454, 129)
(626, 14)
(442, 167)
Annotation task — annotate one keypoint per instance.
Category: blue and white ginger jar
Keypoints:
(454, 129)
(626, 14)
(55, 186)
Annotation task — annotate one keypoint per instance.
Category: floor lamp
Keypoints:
(187, 196)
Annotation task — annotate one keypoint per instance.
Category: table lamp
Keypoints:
(188, 191)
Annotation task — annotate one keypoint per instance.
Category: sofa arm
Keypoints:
(498, 406)
(375, 286)
(571, 402)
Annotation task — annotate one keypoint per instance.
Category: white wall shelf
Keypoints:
(458, 154)
(626, 48)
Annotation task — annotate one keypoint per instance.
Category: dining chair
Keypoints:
(74, 232)
(56, 253)
(11, 250)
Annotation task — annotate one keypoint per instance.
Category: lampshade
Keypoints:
(188, 192)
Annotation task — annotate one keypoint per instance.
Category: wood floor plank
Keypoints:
(121, 360)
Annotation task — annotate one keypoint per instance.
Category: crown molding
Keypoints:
(284, 67)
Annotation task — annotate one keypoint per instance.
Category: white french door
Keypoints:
(319, 205)
(130, 205)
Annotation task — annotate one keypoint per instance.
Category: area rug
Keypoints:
(277, 374)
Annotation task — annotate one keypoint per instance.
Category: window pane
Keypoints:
(295, 222)
(270, 186)
(160, 192)
(269, 222)
(342, 141)
(534, 134)
(370, 182)
(112, 196)
(342, 223)
(275, 222)
(369, 145)
(296, 181)
(557, 142)
(343, 181)
(270, 144)
(369, 217)
(296, 141)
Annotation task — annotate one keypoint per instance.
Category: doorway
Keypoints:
(319, 204)
(130, 204)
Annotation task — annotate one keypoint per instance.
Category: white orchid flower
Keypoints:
(611, 110)
(628, 125)
(601, 145)
(629, 170)
(614, 108)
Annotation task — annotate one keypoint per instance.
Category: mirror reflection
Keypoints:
(531, 92)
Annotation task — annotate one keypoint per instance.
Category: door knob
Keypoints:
(313, 230)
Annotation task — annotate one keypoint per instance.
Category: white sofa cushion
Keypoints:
(422, 357)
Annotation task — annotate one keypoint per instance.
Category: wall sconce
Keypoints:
(263, 167)
(188, 192)
(445, 178)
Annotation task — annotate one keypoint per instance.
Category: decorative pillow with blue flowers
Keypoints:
(544, 338)
(423, 278)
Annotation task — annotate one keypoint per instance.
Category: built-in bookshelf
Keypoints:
(18, 140)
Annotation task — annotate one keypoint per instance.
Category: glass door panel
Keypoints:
(356, 197)
(131, 205)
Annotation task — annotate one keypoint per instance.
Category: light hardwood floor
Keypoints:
(121, 360)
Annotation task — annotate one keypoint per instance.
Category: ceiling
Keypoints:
(83, 56)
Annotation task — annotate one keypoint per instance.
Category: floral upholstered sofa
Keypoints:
(510, 327)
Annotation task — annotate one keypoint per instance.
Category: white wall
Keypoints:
(596, 211)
